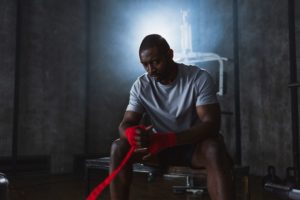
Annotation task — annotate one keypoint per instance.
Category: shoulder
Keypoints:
(141, 82)
(194, 72)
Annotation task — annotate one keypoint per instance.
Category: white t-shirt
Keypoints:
(172, 107)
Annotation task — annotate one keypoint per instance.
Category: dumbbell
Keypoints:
(271, 176)
(3, 187)
(290, 179)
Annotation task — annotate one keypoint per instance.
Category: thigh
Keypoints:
(204, 149)
(137, 157)
(178, 155)
(120, 148)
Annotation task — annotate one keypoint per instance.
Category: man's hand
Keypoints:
(142, 137)
(158, 142)
(145, 141)
(139, 136)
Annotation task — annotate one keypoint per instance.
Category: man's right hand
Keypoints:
(139, 136)
(142, 137)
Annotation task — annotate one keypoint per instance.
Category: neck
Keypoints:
(172, 74)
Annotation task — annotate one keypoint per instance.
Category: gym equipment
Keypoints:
(3, 187)
(283, 189)
(290, 179)
(271, 177)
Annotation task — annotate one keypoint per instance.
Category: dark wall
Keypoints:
(7, 64)
(264, 74)
(52, 86)
(297, 27)
(109, 73)
(52, 72)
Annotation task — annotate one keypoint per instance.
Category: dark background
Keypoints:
(66, 68)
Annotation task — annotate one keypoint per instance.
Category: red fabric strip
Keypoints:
(159, 141)
(99, 188)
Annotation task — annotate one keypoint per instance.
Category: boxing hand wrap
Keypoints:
(130, 133)
(160, 141)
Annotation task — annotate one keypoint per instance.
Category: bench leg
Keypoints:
(87, 181)
(189, 187)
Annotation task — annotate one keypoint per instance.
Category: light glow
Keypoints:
(161, 22)
(177, 30)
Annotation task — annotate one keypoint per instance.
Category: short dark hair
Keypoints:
(154, 40)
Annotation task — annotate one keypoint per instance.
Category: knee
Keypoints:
(212, 150)
(119, 148)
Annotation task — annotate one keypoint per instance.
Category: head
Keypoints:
(157, 57)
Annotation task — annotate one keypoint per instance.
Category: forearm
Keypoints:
(123, 126)
(130, 119)
(197, 133)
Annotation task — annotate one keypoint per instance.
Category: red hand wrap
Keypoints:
(159, 141)
(99, 188)
(130, 133)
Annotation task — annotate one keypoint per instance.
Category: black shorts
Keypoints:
(179, 155)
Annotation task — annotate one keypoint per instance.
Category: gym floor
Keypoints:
(72, 187)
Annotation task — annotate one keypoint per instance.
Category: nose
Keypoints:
(150, 69)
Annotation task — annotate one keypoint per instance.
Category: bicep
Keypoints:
(209, 113)
(132, 117)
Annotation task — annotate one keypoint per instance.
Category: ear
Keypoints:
(170, 54)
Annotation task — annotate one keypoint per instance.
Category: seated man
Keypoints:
(183, 108)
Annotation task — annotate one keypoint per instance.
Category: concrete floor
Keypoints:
(72, 187)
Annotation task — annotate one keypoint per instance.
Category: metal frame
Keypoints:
(16, 100)
(87, 71)
(294, 87)
(237, 110)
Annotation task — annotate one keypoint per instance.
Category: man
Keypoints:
(185, 120)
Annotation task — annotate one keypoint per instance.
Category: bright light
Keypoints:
(161, 22)
(180, 31)
(157, 25)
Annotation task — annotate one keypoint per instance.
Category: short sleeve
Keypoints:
(134, 100)
(206, 91)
